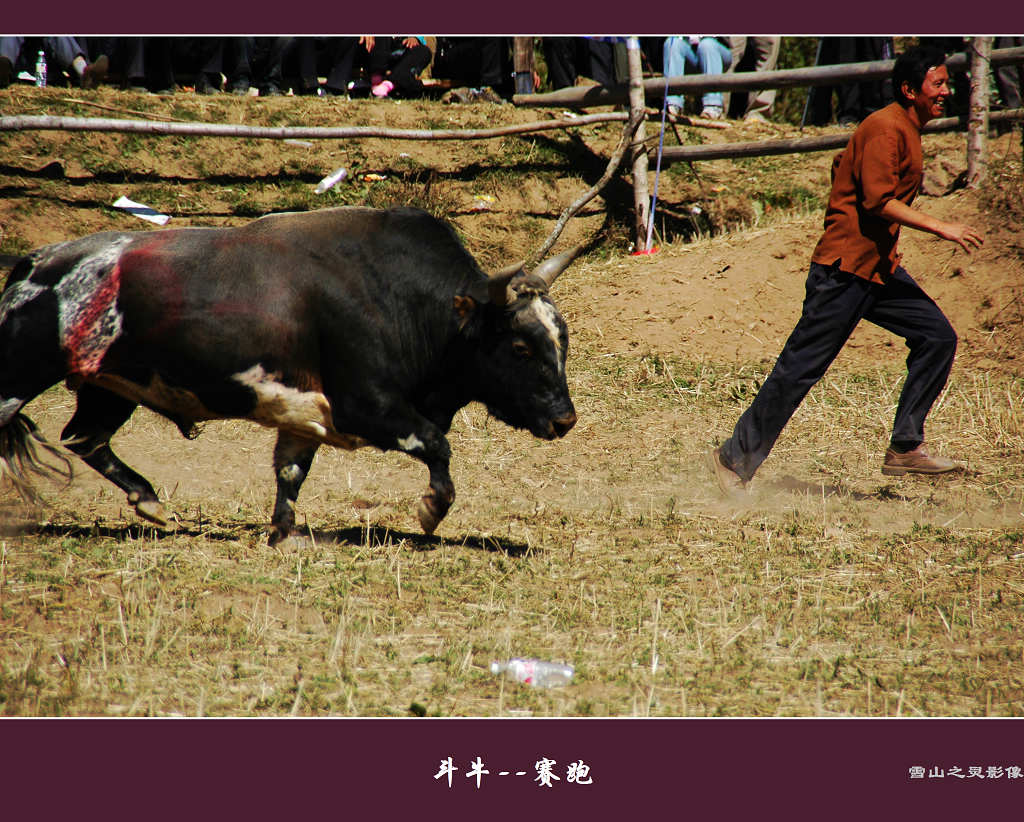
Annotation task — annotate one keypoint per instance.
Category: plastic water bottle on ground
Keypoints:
(331, 180)
(41, 70)
(534, 672)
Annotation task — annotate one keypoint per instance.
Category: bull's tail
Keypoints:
(25, 454)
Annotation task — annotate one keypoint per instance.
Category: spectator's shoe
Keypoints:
(95, 73)
(458, 95)
(205, 86)
(755, 117)
(918, 461)
(712, 113)
(6, 72)
(487, 95)
(382, 89)
(730, 483)
(239, 87)
(675, 111)
(271, 90)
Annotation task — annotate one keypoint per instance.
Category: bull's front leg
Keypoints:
(293, 457)
(441, 493)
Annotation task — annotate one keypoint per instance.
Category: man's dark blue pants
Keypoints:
(835, 302)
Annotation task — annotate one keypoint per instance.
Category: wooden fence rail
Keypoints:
(46, 122)
(799, 145)
(655, 88)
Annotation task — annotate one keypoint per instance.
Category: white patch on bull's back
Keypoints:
(306, 413)
(410, 443)
(545, 313)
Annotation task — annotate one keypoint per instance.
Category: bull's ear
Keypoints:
(464, 308)
(498, 284)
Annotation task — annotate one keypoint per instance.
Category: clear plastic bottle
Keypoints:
(534, 672)
(331, 180)
(41, 70)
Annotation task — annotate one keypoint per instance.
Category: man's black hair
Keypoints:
(912, 66)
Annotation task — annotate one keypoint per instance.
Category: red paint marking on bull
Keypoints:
(87, 309)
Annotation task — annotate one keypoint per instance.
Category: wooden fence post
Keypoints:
(977, 124)
(641, 198)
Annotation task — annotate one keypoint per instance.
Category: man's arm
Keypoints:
(899, 212)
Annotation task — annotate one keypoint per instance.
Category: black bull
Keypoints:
(345, 326)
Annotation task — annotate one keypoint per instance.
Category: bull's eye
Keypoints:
(521, 349)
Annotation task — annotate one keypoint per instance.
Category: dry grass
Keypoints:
(834, 592)
(835, 597)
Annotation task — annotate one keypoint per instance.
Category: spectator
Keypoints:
(1009, 78)
(395, 65)
(332, 57)
(259, 62)
(63, 53)
(482, 65)
(753, 54)
(702, 54)
(856, 100)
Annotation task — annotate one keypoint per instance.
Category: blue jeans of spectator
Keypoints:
(711, 56)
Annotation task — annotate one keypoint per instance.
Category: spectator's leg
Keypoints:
(1009, 78)
(342, 51)
(559, 54)
(713, 57)
(677, 56)
(766, 58)
(405, 74)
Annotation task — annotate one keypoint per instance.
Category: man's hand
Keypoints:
(960, 233)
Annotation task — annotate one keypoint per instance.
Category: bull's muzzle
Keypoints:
(563, 425)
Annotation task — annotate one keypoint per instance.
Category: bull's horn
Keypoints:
(497, 285)
(553, 266)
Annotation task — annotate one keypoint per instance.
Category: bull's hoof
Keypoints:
(150, 509)
(277, 534)
(429, 518)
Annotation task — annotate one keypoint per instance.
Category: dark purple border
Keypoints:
(717, 769)
(807, 17)
(711, 769)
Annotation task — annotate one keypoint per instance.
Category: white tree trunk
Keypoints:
(980, 50)
(641, 198)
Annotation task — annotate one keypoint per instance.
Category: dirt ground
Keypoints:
(664, 350)
(718, 293)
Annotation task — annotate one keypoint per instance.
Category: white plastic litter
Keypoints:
(142, 211)
(331, 180)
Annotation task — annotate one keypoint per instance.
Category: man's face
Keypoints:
(929, 101)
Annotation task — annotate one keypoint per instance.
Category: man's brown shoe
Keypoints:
(918, 461)
(731, 484)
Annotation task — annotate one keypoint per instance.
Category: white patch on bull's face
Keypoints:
(547, 317)
(16, 296)
(306, 413)
(410, 443)
(87, 317)
(8, 408)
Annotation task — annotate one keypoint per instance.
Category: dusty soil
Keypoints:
(724, 290)
(832, 592)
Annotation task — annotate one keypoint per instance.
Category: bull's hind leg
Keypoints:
(293, 457)
(98, 416)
